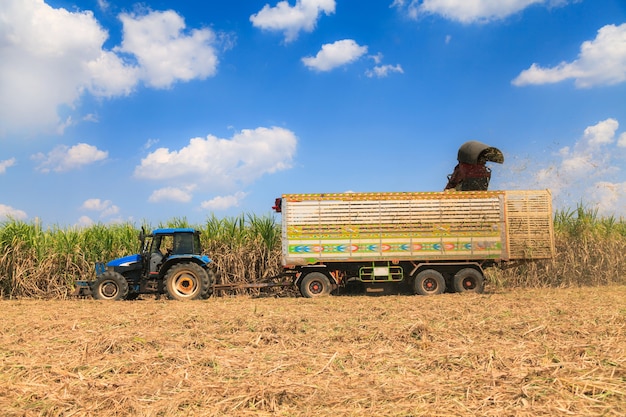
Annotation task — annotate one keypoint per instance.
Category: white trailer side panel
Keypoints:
(444, 226)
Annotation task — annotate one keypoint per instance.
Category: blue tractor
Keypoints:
(170, 262)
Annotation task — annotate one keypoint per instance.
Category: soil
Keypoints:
(514, 353)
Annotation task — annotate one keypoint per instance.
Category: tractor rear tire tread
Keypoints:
(180, 276)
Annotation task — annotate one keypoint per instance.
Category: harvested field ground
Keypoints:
(512, 353)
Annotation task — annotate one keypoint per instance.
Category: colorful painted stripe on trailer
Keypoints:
(405, 248)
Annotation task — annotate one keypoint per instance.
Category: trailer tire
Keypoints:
(187, 281)
(315, 284)
(111, 286)
(468, 280)
(429, 282)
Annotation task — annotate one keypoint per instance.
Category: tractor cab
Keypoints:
(164, 245)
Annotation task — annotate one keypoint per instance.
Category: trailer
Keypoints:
(432, 241)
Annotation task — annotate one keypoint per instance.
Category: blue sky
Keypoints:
(115, 111)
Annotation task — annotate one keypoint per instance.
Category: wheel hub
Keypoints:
(315, 287)
(109, 289)
(185, 285)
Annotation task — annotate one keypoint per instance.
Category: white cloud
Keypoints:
(8, 212)
(291, 20)
(63, 158)
(378, 58)
(601, 61)
(164, 52)
(181, 195)
(103, 5)
(6, 164)
(469, 11)
(223, 202)
(150, 143)
(333, 55)
(600, 134)
(576, 165)
(85, 221)
(621, 142)
(110, 76)
(589, 157)
(51, 57)
(381, 71)
(95, 204)
(590, 171)
(221, 163)
(105, 208)
(609, 197)
(64, 125)
(91, 117)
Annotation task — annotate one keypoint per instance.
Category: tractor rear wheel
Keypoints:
(187, 281)
(110, 286)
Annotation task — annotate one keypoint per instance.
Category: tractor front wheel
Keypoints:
(187, 281)
(110, 286)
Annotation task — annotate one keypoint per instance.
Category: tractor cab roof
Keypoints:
(171, 231)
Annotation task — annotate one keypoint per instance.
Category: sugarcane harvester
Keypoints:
(472, 173)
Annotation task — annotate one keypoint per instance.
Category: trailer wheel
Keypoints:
(469, 280)
(429, 282)
(187, 281)
(110, 286)
(315, 284)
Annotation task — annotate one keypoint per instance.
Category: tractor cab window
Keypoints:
(161, 247)
(196, 244)
(163, 244)
(183, 243)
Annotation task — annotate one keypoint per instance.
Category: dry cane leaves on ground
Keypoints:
(516, 353)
